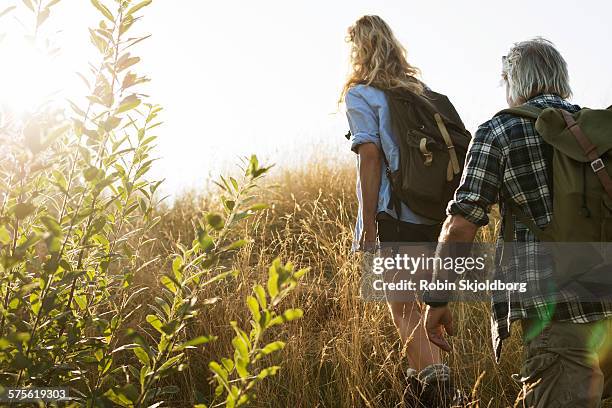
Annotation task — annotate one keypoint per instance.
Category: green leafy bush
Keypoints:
(76, 211)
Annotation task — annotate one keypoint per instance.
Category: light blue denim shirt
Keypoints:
(369, 120)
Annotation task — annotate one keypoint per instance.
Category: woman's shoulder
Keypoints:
(370, 93)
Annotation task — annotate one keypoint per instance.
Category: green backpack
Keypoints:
(582, 188)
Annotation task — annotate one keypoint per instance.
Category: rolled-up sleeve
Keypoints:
(481, 180)
(363, 120)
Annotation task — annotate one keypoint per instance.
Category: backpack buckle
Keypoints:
(597, 165)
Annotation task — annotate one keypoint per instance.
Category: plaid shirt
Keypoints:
(509, 162)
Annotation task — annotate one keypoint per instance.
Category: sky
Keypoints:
(243, 77)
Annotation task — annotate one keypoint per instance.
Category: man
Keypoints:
(509, 163)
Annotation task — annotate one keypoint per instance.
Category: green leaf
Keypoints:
(228, 204)
(240, 345)
(111, 123)
(215, 221)
(227, 363)
(90, 173)
(171, 362)
(266, 372)
(235, 184)
(126, 61)
(253, 306)
(22, 210)
(118, 399)
(60, 180)
(221, 374)
(287, 316)
(272, 347)
(168, 283)
(5, 237)
(138, 6)
(52, 225)
(273, 278)
(4, 343)
(128, 103)
(292, 314)
(142, 355)
(177, 268)
(259, 207)
(260, 293)
(241, 367)
(81, 301)
(102, 8)
(236, 245)
(206, 242)
(155, 322)
(195, 342)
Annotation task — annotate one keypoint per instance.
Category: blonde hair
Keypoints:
(535, 67)
(378, 59)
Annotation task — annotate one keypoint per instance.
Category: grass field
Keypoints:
(344, 352)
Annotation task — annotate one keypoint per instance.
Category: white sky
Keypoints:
(242, 77)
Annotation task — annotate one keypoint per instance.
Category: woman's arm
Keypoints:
(369, 174)
(365, 141)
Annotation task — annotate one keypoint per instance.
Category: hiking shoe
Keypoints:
(437, 387)
(431, 388)
(412, 394)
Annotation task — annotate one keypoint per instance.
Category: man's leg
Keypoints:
(561, 366)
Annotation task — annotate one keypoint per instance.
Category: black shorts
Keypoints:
(399, 231)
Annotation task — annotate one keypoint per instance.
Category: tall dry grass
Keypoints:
(344, 352)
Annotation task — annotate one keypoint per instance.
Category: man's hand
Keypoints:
(437, 318)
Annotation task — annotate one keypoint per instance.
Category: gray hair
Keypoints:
(535, 67)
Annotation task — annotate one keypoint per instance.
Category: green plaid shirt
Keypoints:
(509, 162)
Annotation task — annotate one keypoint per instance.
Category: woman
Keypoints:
(378, 64)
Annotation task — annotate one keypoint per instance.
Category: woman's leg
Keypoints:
(407, 315)
(408, 320)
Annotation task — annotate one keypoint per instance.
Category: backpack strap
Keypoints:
(590, 151)
(513, 209)
(528, 112)
(523, 111)
(453, 165)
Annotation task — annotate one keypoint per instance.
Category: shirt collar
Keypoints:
(547, 98)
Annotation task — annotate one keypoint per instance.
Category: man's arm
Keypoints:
(455, 229)
(479, 189)
(369, 174)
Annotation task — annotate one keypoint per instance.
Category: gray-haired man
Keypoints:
(567, 359)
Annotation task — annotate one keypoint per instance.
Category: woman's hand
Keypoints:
(367, 242)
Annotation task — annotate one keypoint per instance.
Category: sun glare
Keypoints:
(30, 76)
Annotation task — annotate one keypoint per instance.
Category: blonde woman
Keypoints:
(378, 64)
